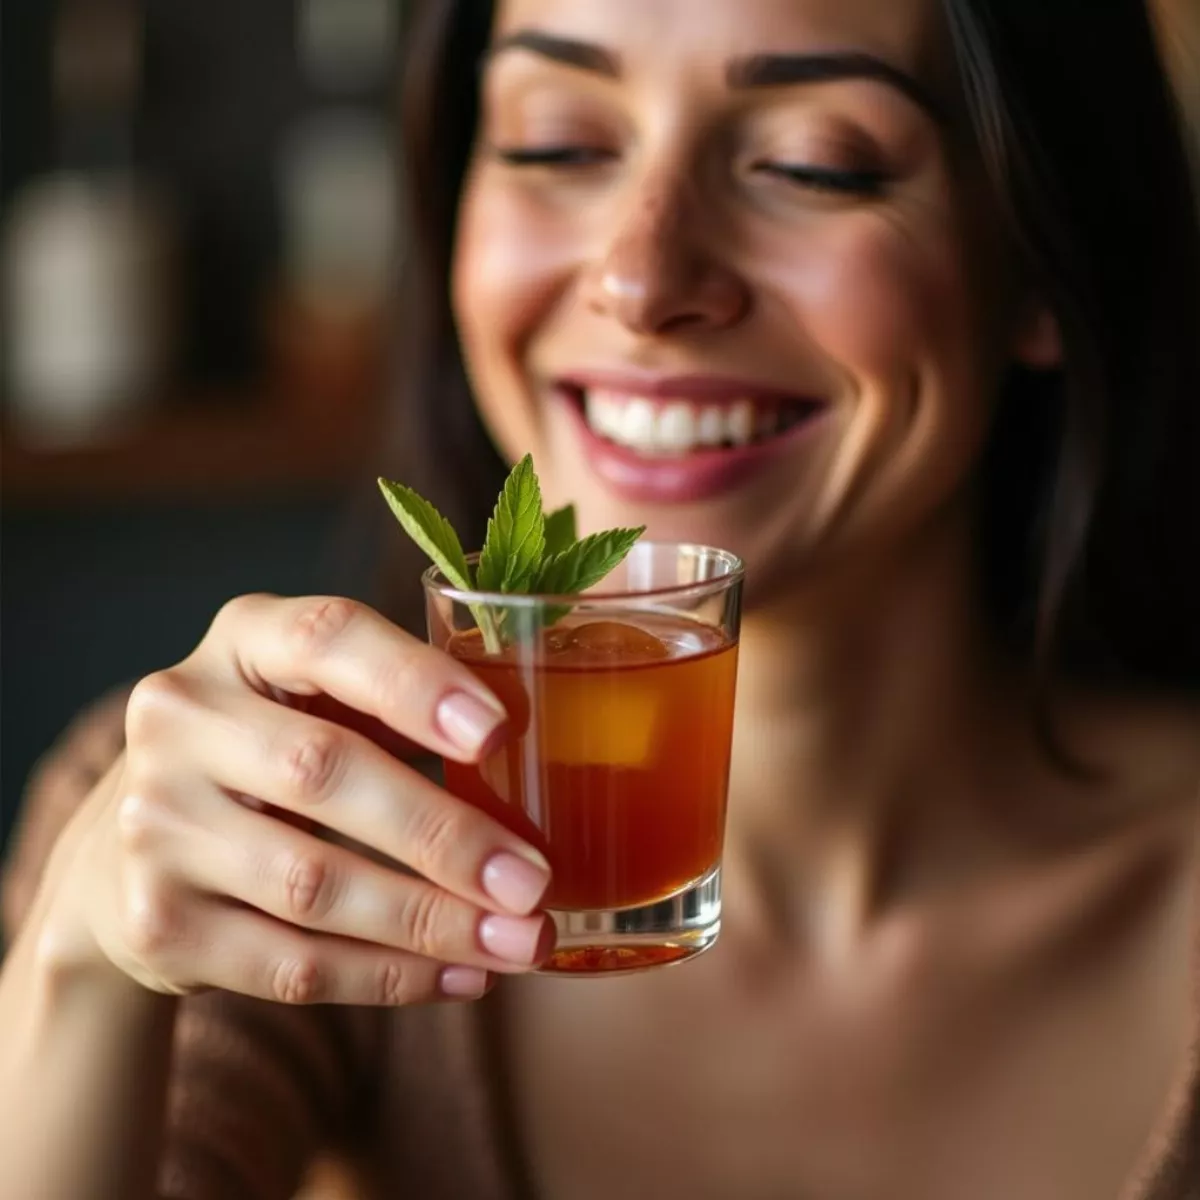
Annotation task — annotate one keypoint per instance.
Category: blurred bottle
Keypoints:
(338, 200)
(87, 250)
(347, 47)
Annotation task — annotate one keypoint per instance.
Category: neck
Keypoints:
(863, 715)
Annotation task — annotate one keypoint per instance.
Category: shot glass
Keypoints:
(617, 768)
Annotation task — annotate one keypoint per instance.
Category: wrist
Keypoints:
(68, 965)
(60, 948)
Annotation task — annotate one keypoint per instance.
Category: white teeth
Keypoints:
(741, 423)
(604, 413)
(710, 428)
(639, 425)
(677, 427)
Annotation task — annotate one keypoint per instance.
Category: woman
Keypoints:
(960, 928)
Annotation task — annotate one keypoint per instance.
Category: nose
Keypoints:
(657, 275)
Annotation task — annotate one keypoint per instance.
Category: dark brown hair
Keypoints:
(1090, 529)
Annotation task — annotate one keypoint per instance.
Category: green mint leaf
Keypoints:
(516, 534)
(560, 530)
(584, 564)
(430, 530)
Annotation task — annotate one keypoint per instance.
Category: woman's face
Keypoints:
(724, 268)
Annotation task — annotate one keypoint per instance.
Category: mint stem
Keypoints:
(489, 627)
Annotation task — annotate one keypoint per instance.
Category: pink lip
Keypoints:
(699, 475)
(715, 388)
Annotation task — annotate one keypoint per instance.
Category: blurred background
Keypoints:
(199, 234)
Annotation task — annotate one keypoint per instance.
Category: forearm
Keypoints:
(84, 1060)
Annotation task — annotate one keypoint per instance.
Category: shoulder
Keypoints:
(1147, 746)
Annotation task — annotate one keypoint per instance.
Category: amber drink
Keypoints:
(617, 769)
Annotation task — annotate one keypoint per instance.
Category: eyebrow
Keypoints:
(568, 51)
(784, 70)
(755, 71)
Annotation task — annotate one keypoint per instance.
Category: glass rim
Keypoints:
(433, 581)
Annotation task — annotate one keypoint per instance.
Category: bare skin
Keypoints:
(1021, 1031)
(984, 977)
(946, 968)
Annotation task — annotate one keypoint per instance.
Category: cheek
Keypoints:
(884, 303)
(896, 312)
(508, 273)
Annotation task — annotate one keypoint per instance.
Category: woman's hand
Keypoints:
(192, 865)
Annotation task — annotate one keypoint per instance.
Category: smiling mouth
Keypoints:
(676, 425)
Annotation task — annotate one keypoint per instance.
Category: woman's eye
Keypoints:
(551, 156)
(827, 179)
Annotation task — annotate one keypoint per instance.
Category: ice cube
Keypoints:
(615, 642)
(557, 640)
(593, 720)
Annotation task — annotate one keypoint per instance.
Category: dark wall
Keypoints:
(96, 594)
(91, 599)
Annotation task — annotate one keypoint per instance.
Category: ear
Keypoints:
(1037, 339)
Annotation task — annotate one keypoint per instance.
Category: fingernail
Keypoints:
(464, 983)
(515, 882)
(468, 722)
(514, 939)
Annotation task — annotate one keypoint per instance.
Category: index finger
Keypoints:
(349, 651)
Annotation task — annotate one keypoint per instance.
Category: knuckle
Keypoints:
(313, 763)
(396, 984)
(424, 920)
(150, 919)
(234, 611)
(439, 829)
(297, 981)
(318, 622)
(151, 705)
(310, 888)
(139, 818)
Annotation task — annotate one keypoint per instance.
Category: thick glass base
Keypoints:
(608, 942)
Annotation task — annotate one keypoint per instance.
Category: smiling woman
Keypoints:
(1018, 161)
(896, 300)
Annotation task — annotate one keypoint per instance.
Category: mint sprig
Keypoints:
(525, 550)
(435, 535)
(560, 530)
(430, 530)
(516, 534)
(584, 564)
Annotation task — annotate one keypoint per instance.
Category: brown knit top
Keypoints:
(407, 1103)
(407, 1100)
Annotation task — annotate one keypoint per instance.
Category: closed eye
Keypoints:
(551, 156)
(827, 179)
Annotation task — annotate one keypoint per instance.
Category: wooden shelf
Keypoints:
(311, 423)
(215, 448)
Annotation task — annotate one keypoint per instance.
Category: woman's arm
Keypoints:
(84, 1058)
(231, 1095)
(113, 1090)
